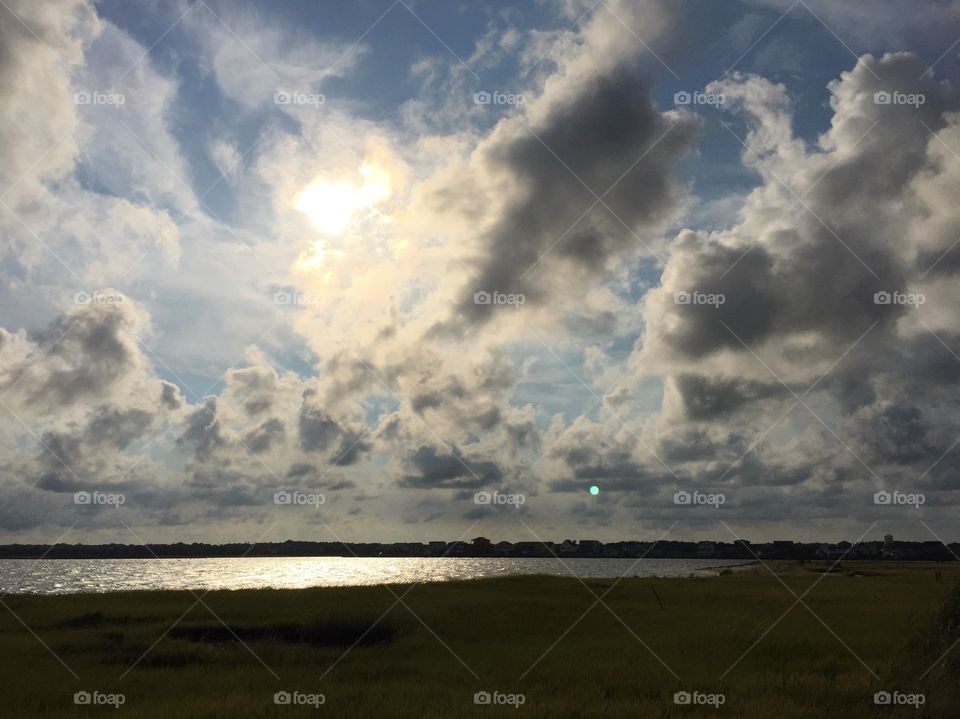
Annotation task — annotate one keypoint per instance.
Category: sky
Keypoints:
(412, 271)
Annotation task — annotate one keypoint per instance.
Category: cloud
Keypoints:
(360, 363)
(574, 179)
(87, 354)
(37, 141)
(431, 468)
(252, 57)
(203, 430)
(803, 356)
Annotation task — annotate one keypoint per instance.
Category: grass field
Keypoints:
(544, 638)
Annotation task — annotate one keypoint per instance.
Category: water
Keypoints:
(64, 576)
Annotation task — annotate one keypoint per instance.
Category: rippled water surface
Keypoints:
(59, 576)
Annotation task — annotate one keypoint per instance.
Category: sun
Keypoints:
(329, 205)
(332, 204)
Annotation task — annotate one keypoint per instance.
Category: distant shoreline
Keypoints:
(480, 547)
(737, 563)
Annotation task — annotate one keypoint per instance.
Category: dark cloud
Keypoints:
(85, 353)
(118, 427)
(265, 435)
(894, 434)
(706, 398)
(256, 387)
(300, 470)
(170, 396)
(447, 470)
(554, 167)
(352, 447)
(203, 431)
(321, 432)
(318, 430)
(588, 458)
(697, 445)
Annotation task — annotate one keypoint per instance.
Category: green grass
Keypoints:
(892, 618)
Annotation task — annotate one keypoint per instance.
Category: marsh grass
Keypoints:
(419, 662)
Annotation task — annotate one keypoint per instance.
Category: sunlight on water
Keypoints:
(58, 576)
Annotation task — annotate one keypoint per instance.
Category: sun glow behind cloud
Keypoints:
(332, 205)
(329, 205)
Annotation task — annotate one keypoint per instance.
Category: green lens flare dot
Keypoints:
(594, 490)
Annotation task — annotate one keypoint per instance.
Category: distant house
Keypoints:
(534, 549)
(590, 546)
(866, 550)
(457, 549)
(482, 546)
(832, 551)
(636, 549)
(613, 550)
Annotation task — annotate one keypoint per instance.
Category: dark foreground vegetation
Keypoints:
(541, 646)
